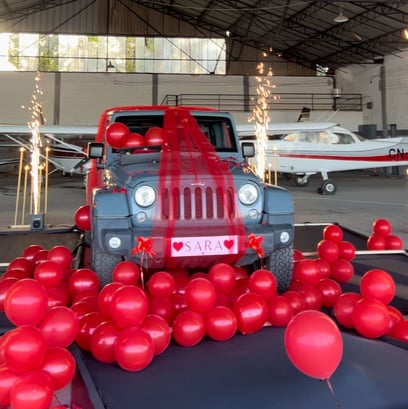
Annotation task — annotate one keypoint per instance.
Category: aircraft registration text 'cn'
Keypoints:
(307, 148)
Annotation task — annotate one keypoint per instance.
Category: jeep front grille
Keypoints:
(197, 203)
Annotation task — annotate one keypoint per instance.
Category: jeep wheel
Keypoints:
(103, 263)
(280, 262)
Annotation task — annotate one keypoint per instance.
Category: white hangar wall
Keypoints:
(366, 80)
(79, 98)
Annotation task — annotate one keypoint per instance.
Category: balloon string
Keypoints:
(332, 392)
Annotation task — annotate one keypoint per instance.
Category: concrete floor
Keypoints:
(360, 199)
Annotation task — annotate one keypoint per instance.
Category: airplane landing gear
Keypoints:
(301, 180)
(328, 187)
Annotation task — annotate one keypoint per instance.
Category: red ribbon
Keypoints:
(254, 243)
(144, 246)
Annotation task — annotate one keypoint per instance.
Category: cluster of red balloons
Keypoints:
(35, 361)
(369, 312)
(129, 322)
(382, 238)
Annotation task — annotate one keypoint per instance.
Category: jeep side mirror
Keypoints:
(95, 150)
(248, 149)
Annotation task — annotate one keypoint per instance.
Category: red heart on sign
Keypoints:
(228, 244)
(178, 245)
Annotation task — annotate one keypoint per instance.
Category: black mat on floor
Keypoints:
(308, 235)
(13, 242)
(253, 371)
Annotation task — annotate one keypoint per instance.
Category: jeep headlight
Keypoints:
(145, 196)
(248, 194)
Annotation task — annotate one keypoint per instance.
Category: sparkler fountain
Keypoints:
(261, 117)
(36, 166)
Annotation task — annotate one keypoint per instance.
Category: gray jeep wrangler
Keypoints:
(170, 187)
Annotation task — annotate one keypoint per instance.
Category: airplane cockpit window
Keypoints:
(290, 137)
(344, 139)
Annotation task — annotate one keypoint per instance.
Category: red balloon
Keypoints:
(307, 272)
(81, 308)
(39, 257)
(30, 251)
(333, 232)
(60, 365)
(161, 284)
(188, 328)
(87, 325)
(347, 250)
(49, 273)
(102, 342)
(58, 296)
(328, 250)
(263, 282)
(159, 331)
(23, 264)
(61, 255)
(116, 134)
(134, 140)
(314, 344)
(83, 279)
(341, 270)
(297, 255)
(370, 318)
(179, 303)
(377, 284)
(223, 277)
(240, 272)
(105, 296)
(324, 268)
(128, 306)
(5, 284)
(297, 301)
(90, 296)
(400, 331)
(134, 349)
(26, 302)
(343, 308)
(24, 349)
(313, 297)
(163, 307)
(7, 379)
(220, 323)
(126, 272)
(382, 227)
(280, 311)
(154, 136)
(251, 312)
(17, 273)
(393, 242)
(331, 291)
(82, 218)
(59, 327)
(32, 390)
(200, 295)
(395, 318)
(376, 242)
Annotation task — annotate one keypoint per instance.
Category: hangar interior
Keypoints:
(342, 60)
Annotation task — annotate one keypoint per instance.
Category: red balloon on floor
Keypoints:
(314, 344)
(251, 312)
(188, 328)
(220, 323)
(377, 284)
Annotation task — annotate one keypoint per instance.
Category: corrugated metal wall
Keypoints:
(127, 18)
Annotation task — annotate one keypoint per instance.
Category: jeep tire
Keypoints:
(280, 263)
(103, 263)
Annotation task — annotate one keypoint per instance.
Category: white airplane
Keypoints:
(66, 143)
(307, 148)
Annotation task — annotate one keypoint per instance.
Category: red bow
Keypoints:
(144, 246)
(254, 243)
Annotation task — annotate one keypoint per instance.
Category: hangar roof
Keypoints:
(302, 32)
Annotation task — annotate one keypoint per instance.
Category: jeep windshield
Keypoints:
(217, 129)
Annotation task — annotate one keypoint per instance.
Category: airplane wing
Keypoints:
(66, 144)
